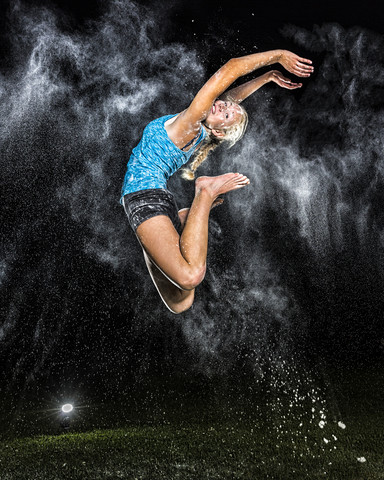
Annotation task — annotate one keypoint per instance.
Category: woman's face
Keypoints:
(223, 114)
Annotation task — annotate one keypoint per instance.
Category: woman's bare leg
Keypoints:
(184, 212)
(176, 299)
(182, 260)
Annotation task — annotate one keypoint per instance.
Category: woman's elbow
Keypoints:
(232, 69)
(232, 63)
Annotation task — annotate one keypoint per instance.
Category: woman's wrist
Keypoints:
(279, 55)
(269, 76)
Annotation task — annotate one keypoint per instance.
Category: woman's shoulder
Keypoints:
(160, 121)
(155, 130)
(158, 125)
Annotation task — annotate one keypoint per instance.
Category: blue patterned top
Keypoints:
(155, 158)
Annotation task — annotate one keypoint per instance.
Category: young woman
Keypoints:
(175, 243)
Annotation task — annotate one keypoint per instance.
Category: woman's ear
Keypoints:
(218, 133)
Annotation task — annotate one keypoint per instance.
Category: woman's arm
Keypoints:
(240, 93)
(238, 67)
(187, 124)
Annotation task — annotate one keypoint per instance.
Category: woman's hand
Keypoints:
(301, 67)
(284, 82)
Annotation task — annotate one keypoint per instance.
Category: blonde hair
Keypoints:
(232, 135)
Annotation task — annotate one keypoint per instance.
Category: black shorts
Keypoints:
(144, 204)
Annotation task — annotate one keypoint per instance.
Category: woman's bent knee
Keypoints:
(189, 280)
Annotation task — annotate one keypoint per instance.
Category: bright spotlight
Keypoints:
(67, 408)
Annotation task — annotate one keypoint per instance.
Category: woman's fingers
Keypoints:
(302, 67)
(283, 81)
(299, 73)
(290, 85)
(305, 60)
(280, 76)
(302, 70)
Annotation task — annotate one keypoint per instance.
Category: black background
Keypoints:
(73, 323)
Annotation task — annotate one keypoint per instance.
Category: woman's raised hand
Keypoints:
(301, 67)
(284, 82)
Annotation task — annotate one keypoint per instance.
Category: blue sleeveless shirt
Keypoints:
(155, 158)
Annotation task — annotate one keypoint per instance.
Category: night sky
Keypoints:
(296, 260)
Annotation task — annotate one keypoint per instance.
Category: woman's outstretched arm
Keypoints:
(243, 91)
(302, 67)
(238, 67)
(187, 124)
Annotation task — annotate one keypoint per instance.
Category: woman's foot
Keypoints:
(221, 184)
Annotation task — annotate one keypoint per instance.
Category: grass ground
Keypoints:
(286, 435)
